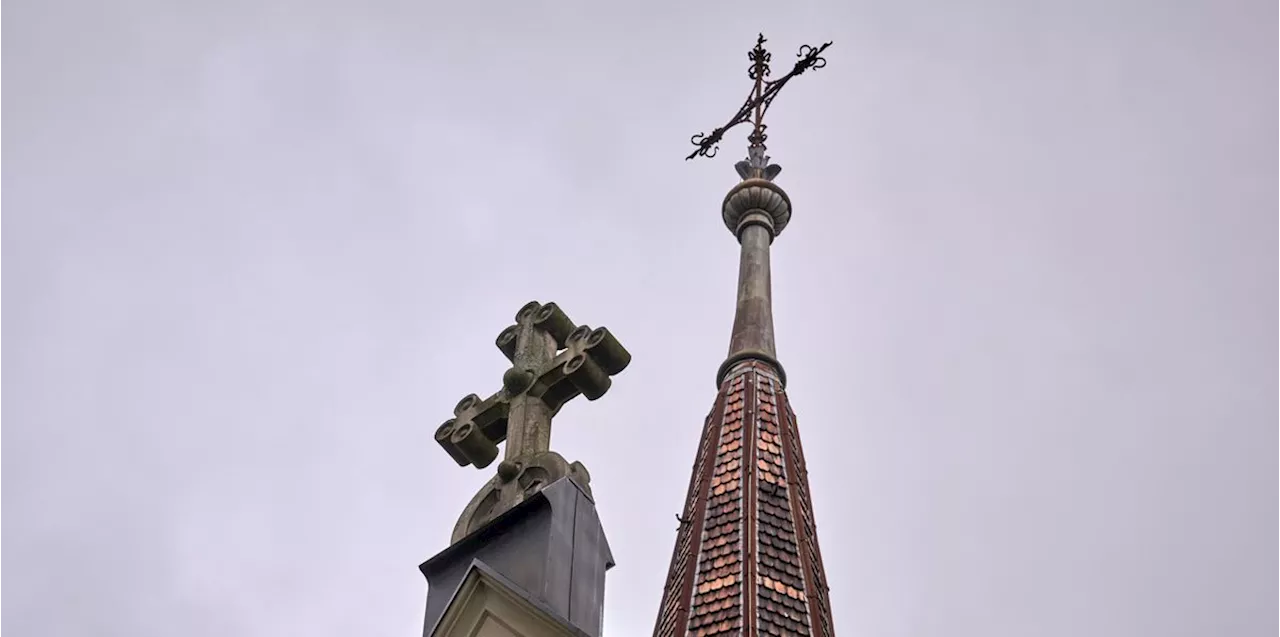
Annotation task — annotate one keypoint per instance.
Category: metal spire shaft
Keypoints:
(756, 210)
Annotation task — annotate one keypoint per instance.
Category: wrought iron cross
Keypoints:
(553, 361)
(757, 104)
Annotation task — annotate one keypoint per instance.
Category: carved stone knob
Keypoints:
(508, 340)
(553, 319)
(607, 351)
(467, 402)
(581, 332)
(517, 380)
(472, 443)
(587, 376)
(527, 311)
(508, 470)
(444, 435)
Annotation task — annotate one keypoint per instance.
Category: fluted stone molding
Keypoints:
(756, 211)
(759, 196)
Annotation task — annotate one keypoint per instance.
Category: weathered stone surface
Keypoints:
(553, 361)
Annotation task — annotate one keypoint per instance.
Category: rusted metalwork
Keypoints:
(761, 97)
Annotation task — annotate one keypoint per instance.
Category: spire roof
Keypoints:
(746, 558)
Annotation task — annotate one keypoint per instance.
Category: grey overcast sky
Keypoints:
(258, 249)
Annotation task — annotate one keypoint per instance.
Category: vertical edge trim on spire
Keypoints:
(699, 534)
(750, 502)
(784, 463)
(806, 527)
(717, 568)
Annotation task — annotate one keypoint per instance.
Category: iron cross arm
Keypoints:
(762, 95)
(553, 361)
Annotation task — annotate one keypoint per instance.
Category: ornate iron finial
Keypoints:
(754, 108)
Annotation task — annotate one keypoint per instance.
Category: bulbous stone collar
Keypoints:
(756, 196)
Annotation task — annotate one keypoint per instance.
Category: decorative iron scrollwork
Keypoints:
(760, 59)
(761, 97)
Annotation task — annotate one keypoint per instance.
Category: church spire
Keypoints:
(746, 559)
(756, 210)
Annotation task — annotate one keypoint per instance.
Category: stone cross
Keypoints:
(553, 361)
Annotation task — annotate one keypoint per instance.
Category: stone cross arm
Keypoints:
(553, 361)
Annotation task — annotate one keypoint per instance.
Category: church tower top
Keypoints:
(757, 209)
(746, 560)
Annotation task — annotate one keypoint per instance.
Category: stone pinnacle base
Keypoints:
(550, 550)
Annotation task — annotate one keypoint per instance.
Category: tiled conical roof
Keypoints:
(746, 560)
